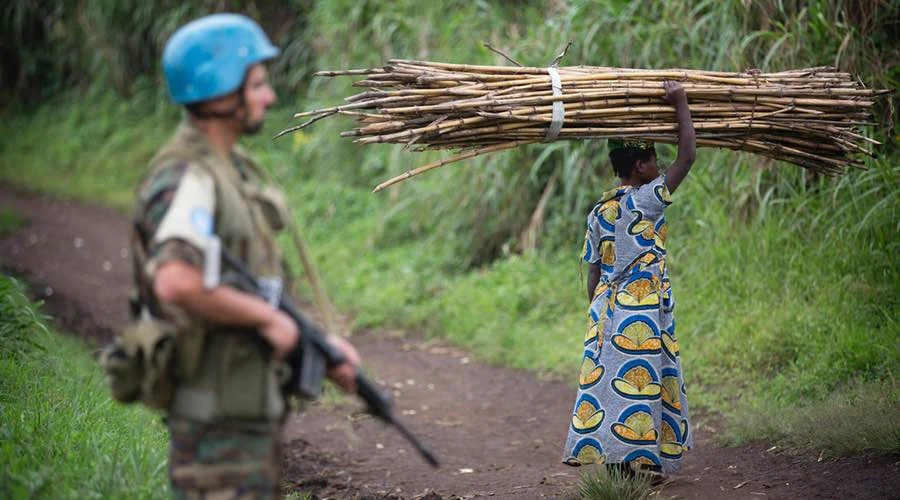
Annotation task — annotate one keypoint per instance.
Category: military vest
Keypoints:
(225, 372)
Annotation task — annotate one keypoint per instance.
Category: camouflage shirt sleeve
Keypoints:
(155, 197)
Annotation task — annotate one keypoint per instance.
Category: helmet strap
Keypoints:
(196, 108)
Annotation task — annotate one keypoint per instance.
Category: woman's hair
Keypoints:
(624, 159)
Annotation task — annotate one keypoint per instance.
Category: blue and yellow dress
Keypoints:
(631, 405)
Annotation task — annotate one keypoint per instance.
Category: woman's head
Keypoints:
(633, 161)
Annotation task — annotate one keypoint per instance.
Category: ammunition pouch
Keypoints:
(146, 360)
(139, 364)
(272, 204)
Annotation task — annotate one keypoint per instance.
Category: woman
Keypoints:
(631, 409)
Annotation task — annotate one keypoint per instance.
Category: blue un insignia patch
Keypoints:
(201, 220)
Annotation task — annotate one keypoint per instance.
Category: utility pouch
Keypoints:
(191, 343)
(140, 364)
(272, 203)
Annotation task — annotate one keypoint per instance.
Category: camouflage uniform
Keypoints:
(226, 409)
(222, 461)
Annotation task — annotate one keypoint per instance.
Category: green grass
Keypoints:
(298, 496)
(788, 290)
(599, 483)
(83, 154)
(857, 416)
(9, 221)
(60, 434)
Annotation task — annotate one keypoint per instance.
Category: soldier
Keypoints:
(226, 406)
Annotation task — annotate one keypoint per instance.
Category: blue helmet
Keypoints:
(209, 57)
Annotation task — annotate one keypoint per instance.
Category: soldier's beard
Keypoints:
(252, 128)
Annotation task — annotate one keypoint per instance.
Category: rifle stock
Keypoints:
(315, 354)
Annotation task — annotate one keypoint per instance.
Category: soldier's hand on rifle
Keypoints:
(281, 332)
(344, 374)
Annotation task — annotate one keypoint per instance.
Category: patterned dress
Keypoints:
(631, 405)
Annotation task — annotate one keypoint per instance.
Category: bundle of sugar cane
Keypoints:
(808, 117)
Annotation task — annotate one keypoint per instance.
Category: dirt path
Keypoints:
(497, 431)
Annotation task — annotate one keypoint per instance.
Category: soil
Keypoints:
(498, 432)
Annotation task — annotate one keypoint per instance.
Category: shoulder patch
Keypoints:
(201, 219)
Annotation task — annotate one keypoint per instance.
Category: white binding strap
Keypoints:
(559, 110)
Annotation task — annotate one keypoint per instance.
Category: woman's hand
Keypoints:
(687, 138)
(675, 93)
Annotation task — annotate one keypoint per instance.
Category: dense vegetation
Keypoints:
(60, 434)
(788, 285)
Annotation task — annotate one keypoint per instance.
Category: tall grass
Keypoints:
(61, 436)
(605, 484)
(95, 150)
(787, 285)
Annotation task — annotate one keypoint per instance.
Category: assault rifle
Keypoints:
(314, 355)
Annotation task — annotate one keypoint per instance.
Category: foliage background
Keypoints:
(788, 284)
